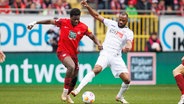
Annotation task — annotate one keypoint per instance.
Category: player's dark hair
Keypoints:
(124, 13)
(154, 33)
(75, 12)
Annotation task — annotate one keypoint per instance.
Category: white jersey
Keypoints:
(116, 37)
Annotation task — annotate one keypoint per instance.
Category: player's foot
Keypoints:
(74, 92)
(181, 100)
(122, 100)
(69, 100)
(64, 95)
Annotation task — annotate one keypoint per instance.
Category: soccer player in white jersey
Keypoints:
(118, 37)
(178, 74)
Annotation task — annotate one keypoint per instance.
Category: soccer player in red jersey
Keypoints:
(71, 32)
(178, 73)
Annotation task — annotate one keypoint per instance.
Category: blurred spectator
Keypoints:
(115, 6)
(169, 10)
(32, 8)
(154, 6)
(143, 6)
(18, 7)
(48, 11)
(181, 8)
(100, 4)
(161, 7)
(153, 44)
(66, 5)
(46, 4)
(4, 7)
(54, 37)
(176, 4)
(130, 9)
(28, 3)
(11, 2)
(123, 3)
(38, 3)
(169, 3)
(60, 8)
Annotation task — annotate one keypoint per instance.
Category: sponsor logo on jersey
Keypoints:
(72, 35)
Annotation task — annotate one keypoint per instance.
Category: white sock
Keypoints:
(85, 80)
(123, 89)
(65, 91)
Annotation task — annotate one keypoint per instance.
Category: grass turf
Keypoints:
(105, 94)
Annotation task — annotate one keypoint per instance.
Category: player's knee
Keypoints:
(176, 71)
(70, 69)
(97, 69)
(127, 81)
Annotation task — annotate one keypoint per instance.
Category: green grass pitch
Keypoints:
(105, 94)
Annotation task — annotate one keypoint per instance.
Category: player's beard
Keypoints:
(121, 25)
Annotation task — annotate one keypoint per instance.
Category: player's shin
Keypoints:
(180, 82)
(123, 89)
(85, 80)
(72, 84)
(66, 88)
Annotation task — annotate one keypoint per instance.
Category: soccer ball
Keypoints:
(88, 97)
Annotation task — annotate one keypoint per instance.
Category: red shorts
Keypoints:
(61, 56)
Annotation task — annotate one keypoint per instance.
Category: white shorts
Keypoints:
(114, 61)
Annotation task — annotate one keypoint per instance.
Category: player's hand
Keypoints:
(84, 3)
(100, 47)
(126, 49)
(31, 25)
(2, 57)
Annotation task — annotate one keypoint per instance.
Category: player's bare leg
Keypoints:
(124, 88)
(178, 73)
(70, 65)
(97, 69)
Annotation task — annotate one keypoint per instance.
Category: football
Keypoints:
(88, 97)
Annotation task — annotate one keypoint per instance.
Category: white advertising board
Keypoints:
(172, 33)
(15, 37)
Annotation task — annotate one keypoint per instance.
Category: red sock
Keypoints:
(180, 82)
(67, 83)
(72, 85)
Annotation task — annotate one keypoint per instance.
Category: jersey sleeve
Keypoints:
(130, 36)
(88, 32)
(107, 22)
(58, 22)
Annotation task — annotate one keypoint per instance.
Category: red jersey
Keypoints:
(70, 36)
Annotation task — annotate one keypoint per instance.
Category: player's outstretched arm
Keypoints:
(92, 11)
(128, 46)
(96, 41)
(31, 25)
(2, 56)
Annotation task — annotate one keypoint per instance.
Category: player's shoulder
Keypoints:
(82, 25)
(127, 29)
(109, 20)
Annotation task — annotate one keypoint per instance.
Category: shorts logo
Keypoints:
(64, 55)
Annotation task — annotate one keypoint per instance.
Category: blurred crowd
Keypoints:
(133, 7)
(46, 7)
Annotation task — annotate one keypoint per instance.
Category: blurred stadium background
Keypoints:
(32, 73)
